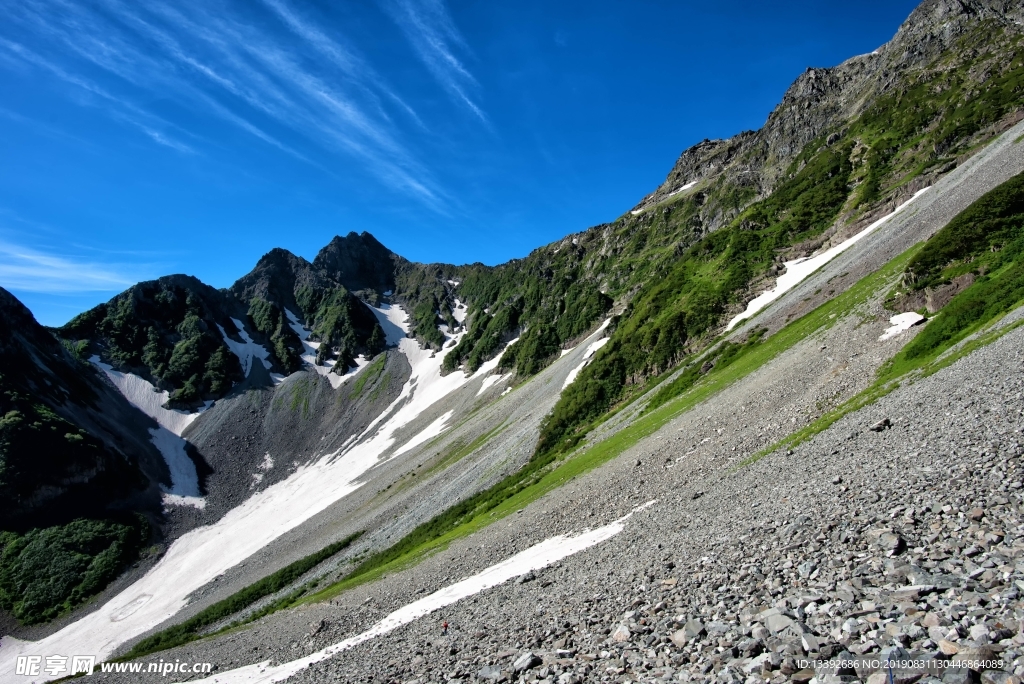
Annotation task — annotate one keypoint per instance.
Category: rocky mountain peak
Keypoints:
(359, 262)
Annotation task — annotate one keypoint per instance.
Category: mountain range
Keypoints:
(207, 470)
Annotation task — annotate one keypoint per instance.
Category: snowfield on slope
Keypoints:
(184, 489)
(536, 557)
(247, 350)
(799, 269)
(901, 322)
(144, 396)
(198, 556)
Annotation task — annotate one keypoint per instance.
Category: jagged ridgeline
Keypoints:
(844, 147)
(175, 331)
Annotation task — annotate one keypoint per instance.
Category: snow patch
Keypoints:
(681, 188)
(536, 557)
(144, 396)
(184, 489)
(490, 381)
(393, 320)
(361, 363)
(899, 323)
(176, 500)
(246, 350)
(587, 354)
(184, 480)
(675, 192)
(454, 283)
(459, 312)
(799, 269)
(428, 433)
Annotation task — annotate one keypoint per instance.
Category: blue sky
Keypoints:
(141, 139)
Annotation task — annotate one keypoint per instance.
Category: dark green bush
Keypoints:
(46, 572)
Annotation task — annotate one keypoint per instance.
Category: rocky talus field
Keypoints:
(899, 527)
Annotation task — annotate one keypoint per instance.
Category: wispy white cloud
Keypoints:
(31, 270)
(315, 98)
(433, 35)
(118, 107)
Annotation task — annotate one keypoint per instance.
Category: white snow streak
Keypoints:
(799, 269)
(459, 312)
(245, 351)
(393, 320)
(675, 192)
(681, 188)
(489, 382)
(899, 323)
(428, 433)
(590, 351)
(184, 489)
(536, 557)
(147, 398)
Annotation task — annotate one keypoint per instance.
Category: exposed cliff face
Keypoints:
(276, 278)
(822, 101)
(359, 262)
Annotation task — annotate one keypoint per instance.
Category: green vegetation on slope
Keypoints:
(424, 322)
(655, 332)
(192, 628)
(989, 235)
(550, 305)
(341, 323)
(986, 240)
(932, 118)
(165, 331)
(47, 572)
(898, 137)
(42, 455)
(270, 320)
(547, 472)
(369, 375)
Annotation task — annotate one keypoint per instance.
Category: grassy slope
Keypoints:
(503, 499)
(925, 121)
(986, 238)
